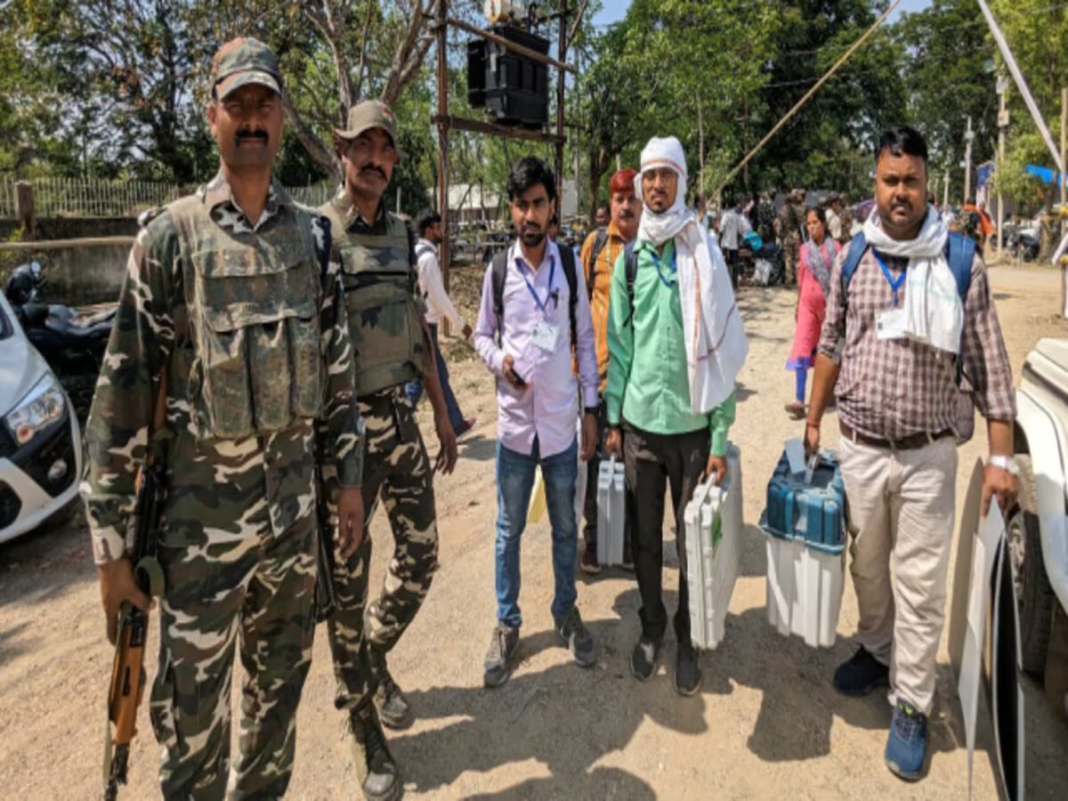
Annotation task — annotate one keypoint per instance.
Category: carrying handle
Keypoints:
(811, 468)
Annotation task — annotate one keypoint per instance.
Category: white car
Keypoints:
(1038, 526)
(41, 451)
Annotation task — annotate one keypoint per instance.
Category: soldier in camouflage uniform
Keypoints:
(765, 215)
(788, 227)
(392, 344)
(233, 308)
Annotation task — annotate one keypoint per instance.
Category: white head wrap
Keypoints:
(659, 153)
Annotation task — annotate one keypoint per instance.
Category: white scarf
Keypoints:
(934, 313)
(715, 341)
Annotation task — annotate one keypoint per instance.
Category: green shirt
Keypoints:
(648, 383)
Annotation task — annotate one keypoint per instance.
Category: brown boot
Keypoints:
(376, 771)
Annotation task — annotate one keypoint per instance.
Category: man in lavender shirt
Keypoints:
(525, 339)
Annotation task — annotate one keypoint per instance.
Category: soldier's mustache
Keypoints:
(373, 168)
(245, 135)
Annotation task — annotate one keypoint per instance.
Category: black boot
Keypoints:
(375, 768)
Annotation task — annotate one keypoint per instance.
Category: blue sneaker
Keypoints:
(861, 674)
(906, 748)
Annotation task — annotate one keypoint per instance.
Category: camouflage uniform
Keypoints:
(397, 467)
(208, 296)
(765, 226)
(789, 232)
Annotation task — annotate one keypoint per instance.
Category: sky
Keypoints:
(615, 10)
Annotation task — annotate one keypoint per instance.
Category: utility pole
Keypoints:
(1064, 143)
(969, 135)
(1003, 124)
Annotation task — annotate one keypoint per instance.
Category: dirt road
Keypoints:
(766, 726)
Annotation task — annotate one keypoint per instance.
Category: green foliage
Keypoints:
(1036, 33)
(819, 147)
(949, 72)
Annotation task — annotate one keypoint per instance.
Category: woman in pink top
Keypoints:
(814, 284)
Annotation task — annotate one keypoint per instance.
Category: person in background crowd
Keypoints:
(889, 349)
(439, 306)
(833, 218)
(676, 344)
(813, 286)
(765, 226)
(734, 227)
(788, 229)
(599, 255)
(601, 216)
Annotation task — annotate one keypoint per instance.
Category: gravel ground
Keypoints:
(767, 724)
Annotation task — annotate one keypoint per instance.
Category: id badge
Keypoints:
(890, 324)
(544, 336)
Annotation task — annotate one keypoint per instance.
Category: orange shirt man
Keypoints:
(599, 255)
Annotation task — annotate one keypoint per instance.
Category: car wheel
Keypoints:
(1033, 591)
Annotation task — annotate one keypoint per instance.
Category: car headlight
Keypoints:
(40, 408)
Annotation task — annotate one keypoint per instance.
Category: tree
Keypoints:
(1035, 32)
(948, 71)
(124, 70)
(665, 65)
(817, 148)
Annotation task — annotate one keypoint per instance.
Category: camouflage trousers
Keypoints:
(250, 593)
(397, 470)
(791, 252)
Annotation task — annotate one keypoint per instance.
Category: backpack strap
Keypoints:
(598, 246)
(630, 262)
(856, 252)
(567, 261)
(960, 253)
(498, 275)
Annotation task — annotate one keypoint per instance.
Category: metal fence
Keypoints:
(8, 203)
(73, 197)
(314, 195)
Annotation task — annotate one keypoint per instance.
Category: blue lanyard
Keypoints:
(552, 272)
(894, 285)
(674, 268)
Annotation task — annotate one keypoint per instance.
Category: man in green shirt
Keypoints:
(675, 345)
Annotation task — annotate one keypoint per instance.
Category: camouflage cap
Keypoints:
(367, 115)
(241, 62)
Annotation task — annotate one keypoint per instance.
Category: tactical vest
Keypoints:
(253, 302)
(384, 319)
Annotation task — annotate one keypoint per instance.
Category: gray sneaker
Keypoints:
(502, 648)
(577, 638)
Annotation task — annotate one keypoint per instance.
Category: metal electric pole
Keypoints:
(1003, 124)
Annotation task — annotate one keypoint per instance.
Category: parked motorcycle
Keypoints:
(72, 346)
(1022, 243)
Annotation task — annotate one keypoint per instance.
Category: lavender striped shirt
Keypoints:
(547, 407)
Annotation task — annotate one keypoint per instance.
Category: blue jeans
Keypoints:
(515, 482)
(414, 389)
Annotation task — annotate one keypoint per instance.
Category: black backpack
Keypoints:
(500, 273)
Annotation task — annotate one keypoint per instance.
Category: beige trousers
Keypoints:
(901, 504)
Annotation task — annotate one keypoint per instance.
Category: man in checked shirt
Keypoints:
(891, 360)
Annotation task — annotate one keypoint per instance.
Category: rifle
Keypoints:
(128, 670)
